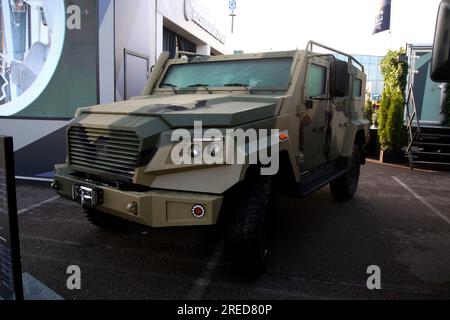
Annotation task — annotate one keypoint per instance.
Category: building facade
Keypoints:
(428, 95)
(58, 55)
(375, 80)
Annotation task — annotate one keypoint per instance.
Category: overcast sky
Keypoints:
(263, 25)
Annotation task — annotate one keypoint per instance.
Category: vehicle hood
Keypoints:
(180, 111)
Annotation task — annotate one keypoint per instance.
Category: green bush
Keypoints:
(392, 134)
(383, 115)
(446, 107)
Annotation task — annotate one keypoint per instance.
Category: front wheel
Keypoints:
(248, 236)
(344, 188)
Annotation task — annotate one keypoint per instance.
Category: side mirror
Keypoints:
(339, 79)
(440, 65)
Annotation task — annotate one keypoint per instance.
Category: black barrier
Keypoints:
(10, 264)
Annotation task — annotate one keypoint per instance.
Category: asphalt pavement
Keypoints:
(399, 221)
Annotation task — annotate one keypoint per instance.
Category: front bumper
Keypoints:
(156, 208)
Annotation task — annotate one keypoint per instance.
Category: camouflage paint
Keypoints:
(315, 136)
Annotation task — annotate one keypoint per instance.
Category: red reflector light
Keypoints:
(198, 211)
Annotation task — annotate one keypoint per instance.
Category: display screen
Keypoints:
(10, 270)
(48, 61)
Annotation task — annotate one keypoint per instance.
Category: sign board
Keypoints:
(191, 14)
(232, 5)
(383, 18)
(10, 265)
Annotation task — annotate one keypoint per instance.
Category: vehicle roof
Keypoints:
(247, 56)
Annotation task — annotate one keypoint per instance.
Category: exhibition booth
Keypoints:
(58, 55)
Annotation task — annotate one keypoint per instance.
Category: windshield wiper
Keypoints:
(174, 87)
(205, 86)
(246, 86)
(235, 85)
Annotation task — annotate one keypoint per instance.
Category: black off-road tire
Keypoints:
(248, 235)
(344, 188)
(104, 221)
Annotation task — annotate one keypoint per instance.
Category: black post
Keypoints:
(11, 287)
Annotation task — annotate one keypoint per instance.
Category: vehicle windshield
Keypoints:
(271, 74)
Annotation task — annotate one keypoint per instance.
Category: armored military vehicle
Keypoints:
(124, 164)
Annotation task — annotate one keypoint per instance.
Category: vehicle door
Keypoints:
(314, 122)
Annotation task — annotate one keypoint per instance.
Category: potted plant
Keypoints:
(392, 134)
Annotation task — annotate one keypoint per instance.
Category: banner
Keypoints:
(10, 268)
(48, 66)
(383, 19)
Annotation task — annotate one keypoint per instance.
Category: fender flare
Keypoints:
(358, 132)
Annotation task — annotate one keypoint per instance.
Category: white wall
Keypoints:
(135, 30)
(139, 27)
(174, 11)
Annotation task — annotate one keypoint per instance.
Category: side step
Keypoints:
(432, 151)
(316, 179)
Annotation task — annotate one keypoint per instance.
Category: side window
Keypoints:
(357, 88)
(317, 80)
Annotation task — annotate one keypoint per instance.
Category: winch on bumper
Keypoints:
(155, 208)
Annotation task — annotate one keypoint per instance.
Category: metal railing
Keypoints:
(351, 60)
(411, 117)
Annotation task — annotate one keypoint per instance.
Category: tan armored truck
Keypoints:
(216, 139)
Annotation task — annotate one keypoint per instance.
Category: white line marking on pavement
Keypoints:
(38, 205)
(201, 284)
(423, 200)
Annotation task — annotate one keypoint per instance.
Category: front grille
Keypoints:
(104, 151)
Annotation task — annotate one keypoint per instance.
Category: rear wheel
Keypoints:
(248, 235)
(104, 221)
(344, 188)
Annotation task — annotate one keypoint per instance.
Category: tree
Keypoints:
(392, 134)
(369, 109)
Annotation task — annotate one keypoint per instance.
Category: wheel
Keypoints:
(248, 237)
(344, 188)
(104, 221)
